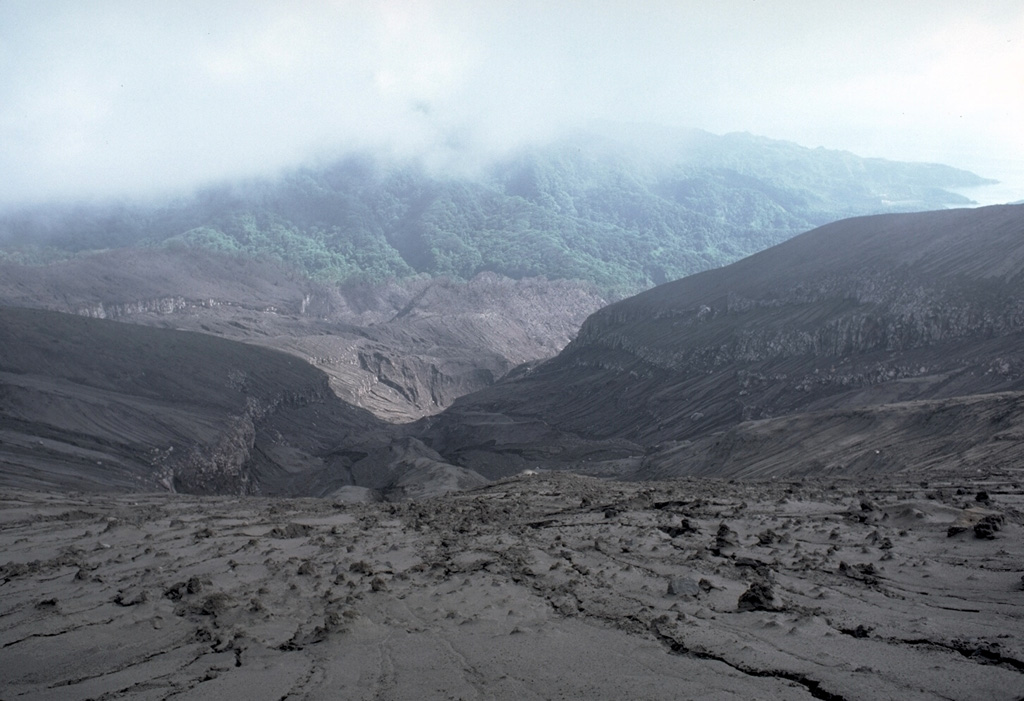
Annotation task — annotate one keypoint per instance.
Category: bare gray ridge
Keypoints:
(900, 333)
(875, 344)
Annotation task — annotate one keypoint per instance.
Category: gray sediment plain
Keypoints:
(540, 586)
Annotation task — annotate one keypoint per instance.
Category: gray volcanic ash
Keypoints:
(851, 325)
(538, 587)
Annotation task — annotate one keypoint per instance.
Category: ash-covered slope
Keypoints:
(857, 314)
(98, 405)
(118, 283)
(402, 350)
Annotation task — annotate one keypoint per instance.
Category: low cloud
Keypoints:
(108, 98)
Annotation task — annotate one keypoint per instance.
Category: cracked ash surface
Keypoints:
(539, 587)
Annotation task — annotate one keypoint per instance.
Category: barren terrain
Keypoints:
(888, 329)
(825, 442)
(538, 587)
(401, 350)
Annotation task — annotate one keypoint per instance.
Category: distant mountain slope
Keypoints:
(873, 344)
(857, 314)
(621, 214)
(402, 349)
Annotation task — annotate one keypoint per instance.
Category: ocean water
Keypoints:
(1009, 189)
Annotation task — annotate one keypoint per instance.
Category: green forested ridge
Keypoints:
(590, 208)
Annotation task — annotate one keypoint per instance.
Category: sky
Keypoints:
(106, 98)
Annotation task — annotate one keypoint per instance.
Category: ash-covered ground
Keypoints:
(546, 586)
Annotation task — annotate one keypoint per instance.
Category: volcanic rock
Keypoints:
(684, 586)
(759, 596)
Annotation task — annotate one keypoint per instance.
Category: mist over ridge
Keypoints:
(620, 207)
(115, 99)
(604, 349)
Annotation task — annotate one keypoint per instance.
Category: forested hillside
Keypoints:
(624, 216)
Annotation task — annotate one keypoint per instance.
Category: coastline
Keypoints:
(1008, 190)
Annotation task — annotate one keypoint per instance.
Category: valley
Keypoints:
(798, 475)
(852, 317)
(400, 350)
(417, 350)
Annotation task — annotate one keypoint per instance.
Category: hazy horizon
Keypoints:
(111, 98)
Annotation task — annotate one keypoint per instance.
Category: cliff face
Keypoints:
(887, 283)
(176, 304)
(225, 464)
(859, 313)
(834, 323)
